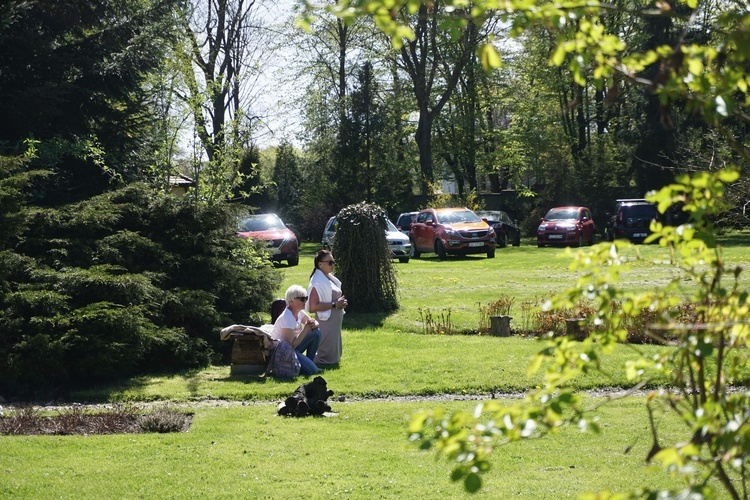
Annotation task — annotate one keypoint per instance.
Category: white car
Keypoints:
(398, 242)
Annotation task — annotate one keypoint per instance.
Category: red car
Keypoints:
(572, 226)
(457, 231)
(282, 242)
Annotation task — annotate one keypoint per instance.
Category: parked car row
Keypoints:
(574, 225)
(460, 231)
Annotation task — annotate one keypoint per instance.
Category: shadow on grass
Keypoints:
(734, 239)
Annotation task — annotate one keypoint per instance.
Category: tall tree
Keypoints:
(434, 75)
(222, 40)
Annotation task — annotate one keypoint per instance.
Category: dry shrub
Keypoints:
(121, 419)
(536, 322)
(163, 420)
(637, 326)
(500, 307)
(436, 325)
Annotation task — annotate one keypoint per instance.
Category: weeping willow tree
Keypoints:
(363, 259)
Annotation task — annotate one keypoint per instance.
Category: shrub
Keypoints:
(123, 283)
(164, 419)
(363, 259)
(439, 324)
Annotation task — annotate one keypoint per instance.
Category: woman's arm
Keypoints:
(314, 303)
(293, 336)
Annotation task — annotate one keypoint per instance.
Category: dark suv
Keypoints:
(631, 220)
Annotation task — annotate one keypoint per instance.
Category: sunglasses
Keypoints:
(331, 262)
(303, 299)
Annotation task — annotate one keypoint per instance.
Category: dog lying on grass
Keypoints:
(309, 399)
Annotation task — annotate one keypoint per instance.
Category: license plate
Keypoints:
(640, 235)
(555, 237)
(476, 244)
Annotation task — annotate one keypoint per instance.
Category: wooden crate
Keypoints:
(247, 355)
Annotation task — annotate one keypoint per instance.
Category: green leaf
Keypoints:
(489, 56)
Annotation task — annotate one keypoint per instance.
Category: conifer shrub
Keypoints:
(363, 259)
(126, 282)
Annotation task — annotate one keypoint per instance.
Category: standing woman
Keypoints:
(326, 300)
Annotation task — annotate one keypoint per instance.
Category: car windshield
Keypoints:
(389, 226)
(640, 210)
(456, 217)
(562, 214)
(495, 215)
(260, 223)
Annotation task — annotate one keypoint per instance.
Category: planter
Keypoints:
(574, 327)
(500, 326)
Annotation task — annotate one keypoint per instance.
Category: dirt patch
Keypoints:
(87, 420)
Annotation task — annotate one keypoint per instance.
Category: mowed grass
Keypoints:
(362, 452)
(244, 450)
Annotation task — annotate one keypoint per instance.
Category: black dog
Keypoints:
(309, 399)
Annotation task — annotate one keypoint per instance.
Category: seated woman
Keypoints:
(299, 329)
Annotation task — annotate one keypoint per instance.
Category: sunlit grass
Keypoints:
(362, 452)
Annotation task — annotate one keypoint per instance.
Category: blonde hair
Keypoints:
(293, 292)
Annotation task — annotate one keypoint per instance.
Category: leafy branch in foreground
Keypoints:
(705, 363)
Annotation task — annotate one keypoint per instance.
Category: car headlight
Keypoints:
(491, 232)
(450, 233)
(542, 228)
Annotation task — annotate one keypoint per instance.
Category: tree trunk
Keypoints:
(423, 137)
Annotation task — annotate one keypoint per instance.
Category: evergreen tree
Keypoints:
(287, 183)
(72, 78)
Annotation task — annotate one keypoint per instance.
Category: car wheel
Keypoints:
(491, 254)
(580, 241)
(403, 260)
(517, 241)
(293, 261)
(504, 241)
(540, 245)
(414, 253)
(440, 250)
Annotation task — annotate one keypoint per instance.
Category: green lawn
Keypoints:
(244, 450)
(247, 452)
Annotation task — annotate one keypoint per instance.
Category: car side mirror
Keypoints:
(429, 223)
(485, 220)
(584, 219)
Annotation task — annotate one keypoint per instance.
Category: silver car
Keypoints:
(398, 242)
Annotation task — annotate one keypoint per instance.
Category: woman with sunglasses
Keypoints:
(300, 330)
(327, 301)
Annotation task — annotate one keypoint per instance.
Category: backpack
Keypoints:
(283, 362)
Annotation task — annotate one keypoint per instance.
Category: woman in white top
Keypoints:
(300, 330)
(327, 301)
